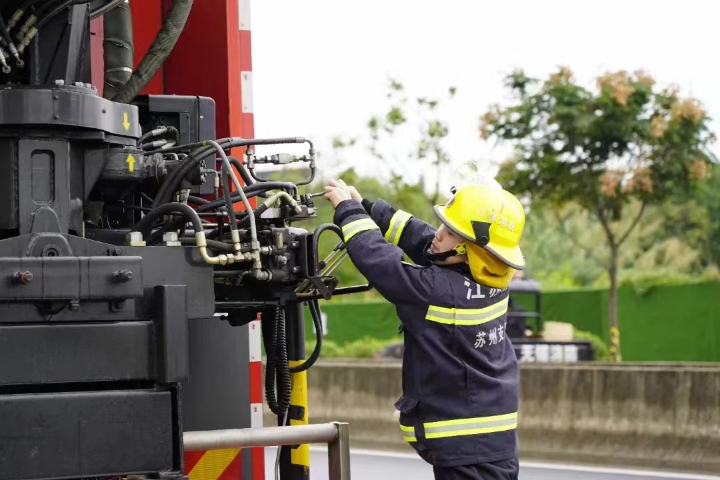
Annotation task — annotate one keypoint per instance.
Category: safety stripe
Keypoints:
(467, 316)
(471, 426)
(353, 228)
(408, 433)
(397, 224)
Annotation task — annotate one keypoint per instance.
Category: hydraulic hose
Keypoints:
(251, 191)
(145, 224)
(55, 11)
(226, 196)
(243, 171)
(277, 372)
(317, 321)
(202, 150)
(172, 181)
(10, 44)
(254, 244)
(118, 48)
(159, 51)
(197, 200)
(112, 4)
(160, 131)
(215, 245)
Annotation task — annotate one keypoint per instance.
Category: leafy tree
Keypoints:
(419, 118)
(625, 142)
(668, 246)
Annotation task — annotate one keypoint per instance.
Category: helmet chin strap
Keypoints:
(460, 249)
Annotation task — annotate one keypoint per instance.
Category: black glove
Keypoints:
(367, 205)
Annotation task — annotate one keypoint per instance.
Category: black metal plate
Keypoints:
(70, 278)
(43, 354)
(86, 434)
(67, 106)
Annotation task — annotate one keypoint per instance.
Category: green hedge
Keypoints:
(664, 323)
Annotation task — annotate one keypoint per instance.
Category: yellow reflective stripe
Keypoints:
(472, 431)
(353, 228)
(397, 224)
(467, 316)
(463, 421)
(471, 426)
(408, 430)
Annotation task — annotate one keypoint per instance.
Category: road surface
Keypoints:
(377, 465)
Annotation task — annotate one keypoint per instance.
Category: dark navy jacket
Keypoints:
(460, 375)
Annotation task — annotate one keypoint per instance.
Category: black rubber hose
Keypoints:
(160, 131)
(317, 321)
(159, 51)
(247, 179)
(118, 48)
(316, 237)
(109, 6)
(171, 182)
(227, 193)
(243, 220)
(202, 151)
(277, 372)
(146, 223)
(215, 245)
(55, 11)
(197, 200)
(251, 191)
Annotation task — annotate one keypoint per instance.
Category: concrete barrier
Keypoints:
(649, 415)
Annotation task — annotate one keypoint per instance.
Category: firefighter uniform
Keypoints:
(459, 405)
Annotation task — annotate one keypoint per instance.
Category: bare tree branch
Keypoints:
(575, 241)
(606, 226)
(634, 224)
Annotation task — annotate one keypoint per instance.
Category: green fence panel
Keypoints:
(350, 321)
(585, 309)
(670, 323)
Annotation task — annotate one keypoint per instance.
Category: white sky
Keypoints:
(321, 66)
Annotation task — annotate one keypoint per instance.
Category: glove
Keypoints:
(367, 205)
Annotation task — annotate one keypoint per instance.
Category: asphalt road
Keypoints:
(376, 465)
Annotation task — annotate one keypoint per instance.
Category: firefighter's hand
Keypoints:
(353, 191)
(336, 194)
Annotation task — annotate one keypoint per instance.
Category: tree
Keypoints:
(624, 143)
(404, 115)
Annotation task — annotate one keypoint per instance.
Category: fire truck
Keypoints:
(144, 260)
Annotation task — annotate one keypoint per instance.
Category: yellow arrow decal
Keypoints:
(131, 163)
(126, 123)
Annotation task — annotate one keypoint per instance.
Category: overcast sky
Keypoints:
(321, 66)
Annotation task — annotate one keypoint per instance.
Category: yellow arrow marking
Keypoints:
(131, 163)
(126, 123)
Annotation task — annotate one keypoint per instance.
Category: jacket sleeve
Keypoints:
(402, 229)
(379, 261)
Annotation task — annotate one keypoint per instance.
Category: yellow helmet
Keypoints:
(489, 217)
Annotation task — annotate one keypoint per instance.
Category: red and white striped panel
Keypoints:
(256, 401)
(254, 329)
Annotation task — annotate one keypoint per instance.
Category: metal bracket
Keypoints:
(325, 290)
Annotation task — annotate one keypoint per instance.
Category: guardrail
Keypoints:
(336, 435)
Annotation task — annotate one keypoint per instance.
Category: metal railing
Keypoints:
(336, 435)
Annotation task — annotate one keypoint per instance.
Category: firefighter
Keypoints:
(459, 404)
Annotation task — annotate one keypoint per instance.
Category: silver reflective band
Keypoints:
(467, 316)
(397, 224)
(353, 228)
